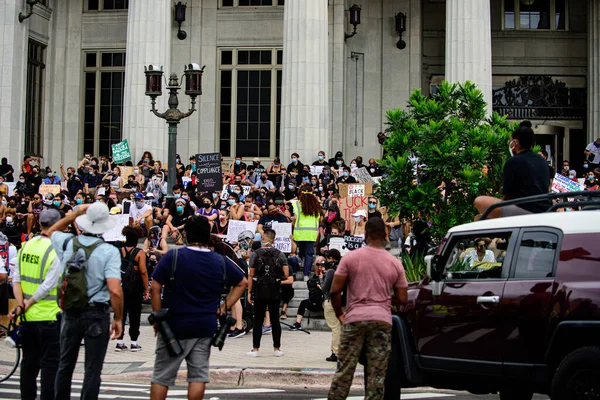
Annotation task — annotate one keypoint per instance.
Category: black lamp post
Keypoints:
(354, 20)
(180, 18)
(30, 3)
(193, 88)
(400, 28)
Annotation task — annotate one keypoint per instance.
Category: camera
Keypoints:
(160, 318)
(15, 334)
(225, 324)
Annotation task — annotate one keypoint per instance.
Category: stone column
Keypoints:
(593, 121)
(469, 45)
(148, 42)
(305, 91)
(13, 65)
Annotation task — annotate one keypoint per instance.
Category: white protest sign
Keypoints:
(224, 194)
(247, 190)
(186, 181)
(356, 190)
(11, 187)
(101, 192)
(362, 175)
(562, 184)
(336, 242)
(114, 235)
(283, 231)
(316, 169)
(237, 227)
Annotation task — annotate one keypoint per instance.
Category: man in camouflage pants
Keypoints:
(368, 275)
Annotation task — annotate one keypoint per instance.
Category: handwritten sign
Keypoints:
(349, 205)
(362, 175)
(283, 232)
(356, 190)
(114, 235)
(186, 181)
(562, 184)
(209, 173)
(316, 169)
(11, 187)
(345, 244)
(354, 242)
(120, 152)
(224, 194)
(344, 189)
(237, 227)
(45, 189)
(246, 190)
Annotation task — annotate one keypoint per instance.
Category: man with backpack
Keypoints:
(91, 279)
(268, 267)
(314, 302)
(34, 285)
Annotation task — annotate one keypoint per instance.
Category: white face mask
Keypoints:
(357, 219)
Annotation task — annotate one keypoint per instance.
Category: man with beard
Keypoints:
(273, 214)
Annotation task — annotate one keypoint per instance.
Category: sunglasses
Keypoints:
(373, 202)
(321, 263)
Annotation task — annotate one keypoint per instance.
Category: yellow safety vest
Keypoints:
(35, 259)
(306, 227)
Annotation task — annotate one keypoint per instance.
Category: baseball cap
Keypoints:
(49, 217)
(114, 211)
(256, 159)
(360, 213)
(138, 196)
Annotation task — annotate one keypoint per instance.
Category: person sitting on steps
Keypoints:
(314, 302)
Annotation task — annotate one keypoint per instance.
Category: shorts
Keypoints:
(196, 353)
(513, 211)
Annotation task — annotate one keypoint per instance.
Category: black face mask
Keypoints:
(263, 178)
(206, 205)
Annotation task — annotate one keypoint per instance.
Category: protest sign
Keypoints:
(362, 175)
(237, 227)
(11, 187)
(346, 243)
(186, 181)
(349, 205)
(120, 152)
(45, 189)
(125, 172)
(224, 194)
(354, 242)
(344, 189)
(355, 190)
(316, 170)
(114, 235)
(246, 189)
(209, 172)
(562, 184)
(283, 231)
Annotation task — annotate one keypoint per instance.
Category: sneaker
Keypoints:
(135, 347)
(252, 354)
(278, 353)
(332, 358)
(121, 347)
(266, 329)
(283, 315)
(295, 327)
(236, 333)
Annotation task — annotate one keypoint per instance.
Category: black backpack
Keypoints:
(315, 294)
(267, 281)
(131, 281)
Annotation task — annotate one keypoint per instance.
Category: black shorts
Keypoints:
(287, 293)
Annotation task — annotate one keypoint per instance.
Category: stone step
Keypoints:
(314, 324)
(292, 311)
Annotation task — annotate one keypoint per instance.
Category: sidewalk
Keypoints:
(302, 365)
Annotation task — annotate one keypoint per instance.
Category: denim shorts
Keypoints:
(196, 353)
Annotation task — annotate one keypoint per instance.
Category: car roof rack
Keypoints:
(590, 200)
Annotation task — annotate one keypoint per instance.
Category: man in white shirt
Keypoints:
(140, 213)
(264, 182)
(592, 151)
(480, 255)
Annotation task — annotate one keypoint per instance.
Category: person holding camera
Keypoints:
(34, 285)
(194, 279)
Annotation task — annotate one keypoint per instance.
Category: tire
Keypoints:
(578, 376)
(515, 393)
(393, 382)
(247, 323)
(10, 357)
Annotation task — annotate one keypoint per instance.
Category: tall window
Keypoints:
(34, 98)
(104, 77)
(251, 3)
(99, 5)
(535, 14)
(250, 102)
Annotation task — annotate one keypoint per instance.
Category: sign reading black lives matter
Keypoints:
(208, 172)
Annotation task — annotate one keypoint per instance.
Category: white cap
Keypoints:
(360, 213)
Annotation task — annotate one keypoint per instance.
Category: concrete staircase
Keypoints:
(312, 320)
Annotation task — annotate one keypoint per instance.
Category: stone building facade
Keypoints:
(281, 76)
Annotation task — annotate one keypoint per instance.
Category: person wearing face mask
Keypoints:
(220, 228)
(138, 176)
(92, 181)
(591, 183)
(157, 186)
(372, 211)
(345, 177)
(274, 214)
(23, 186)
(6, 170)
(525, 174)
(236, 210)
(51, 179)
(290, 191)
(208, 211)
(176, 221)
(147, 159)
(573, 176)
(35, 179)
(140, 213)
(238, 166)
(251, 177)
(295, 165)
(321, 160)
(353, 165)
(338, 156)
(359, 162)
(373, 168)
(275, 167)
(326, 176)
(282, 180)
(3, 187)
(359, 223)
(265, 183)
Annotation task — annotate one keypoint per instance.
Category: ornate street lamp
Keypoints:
(354, 20)
(193, 88)
(180, 18)
(400, 28)
(30, 4)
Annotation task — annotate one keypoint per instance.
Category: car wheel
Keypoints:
(515, 393)
(578, 376)
(392, 377)
(247, 323)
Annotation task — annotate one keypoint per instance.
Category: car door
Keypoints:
(459, 328)
(528, 301)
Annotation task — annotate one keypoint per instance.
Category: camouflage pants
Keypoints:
(376, 338)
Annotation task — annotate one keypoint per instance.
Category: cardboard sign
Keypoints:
(283, 231)
(349, 205)
(114, 235)
(237, 227)
(120, 152)
(346, 243)
(125, 172)
(316, 170)
(45, 189)
(355, 190)
(562, 184)
(209, 173)
(362, 175)
(344, 189)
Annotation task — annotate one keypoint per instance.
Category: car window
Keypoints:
(477, 257)
(536, 255)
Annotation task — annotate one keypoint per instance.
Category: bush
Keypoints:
(446, 143)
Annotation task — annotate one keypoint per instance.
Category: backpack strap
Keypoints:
(173, 266)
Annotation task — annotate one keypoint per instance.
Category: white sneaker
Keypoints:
(252, 353)
(278, 353)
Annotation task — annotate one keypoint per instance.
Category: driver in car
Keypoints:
(480, 255)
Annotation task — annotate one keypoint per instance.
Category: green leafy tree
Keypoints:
(441, 154)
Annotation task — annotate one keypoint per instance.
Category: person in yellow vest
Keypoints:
(307, 214)
(34, 284)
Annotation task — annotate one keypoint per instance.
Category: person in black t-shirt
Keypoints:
(266, 221)
(373, 212)
(525, 174)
